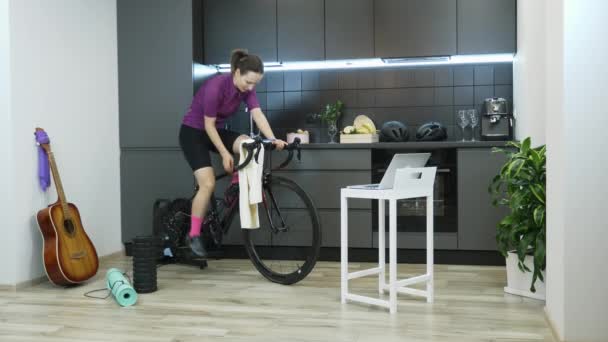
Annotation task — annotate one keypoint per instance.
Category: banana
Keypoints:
(369, 128)
(349, 130)
(363, 130)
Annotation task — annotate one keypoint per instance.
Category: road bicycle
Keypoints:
(285, 247)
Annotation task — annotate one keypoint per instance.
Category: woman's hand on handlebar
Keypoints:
(279, 144)
(227, 162)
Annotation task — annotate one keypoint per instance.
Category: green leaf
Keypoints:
(524, 243)
(514, 165)
(513, 144)
(525, 145)
(539, 192)
(539, 215)
(539, 253)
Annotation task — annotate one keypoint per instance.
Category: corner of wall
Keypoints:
(7, 253)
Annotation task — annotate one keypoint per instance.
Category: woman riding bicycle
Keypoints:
(202, 130)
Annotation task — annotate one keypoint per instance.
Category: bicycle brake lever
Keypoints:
(257, 154)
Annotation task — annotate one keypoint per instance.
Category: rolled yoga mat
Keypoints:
(122, 291)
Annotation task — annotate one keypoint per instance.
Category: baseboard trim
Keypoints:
(107, 257)
(32, 282)
(522, 293)
(7, 288)
(556, 336)
(415, 256)
(42, 279)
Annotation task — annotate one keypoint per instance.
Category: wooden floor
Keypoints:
(230, 301)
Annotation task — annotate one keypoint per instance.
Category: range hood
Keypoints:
(380, 62)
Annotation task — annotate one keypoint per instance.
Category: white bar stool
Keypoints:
(407, 184)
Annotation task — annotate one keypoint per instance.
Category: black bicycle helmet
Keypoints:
(431, 131)
(394, 131)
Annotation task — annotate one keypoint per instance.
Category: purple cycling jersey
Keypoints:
(218, 98)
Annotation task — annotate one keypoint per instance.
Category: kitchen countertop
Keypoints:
(407, 145)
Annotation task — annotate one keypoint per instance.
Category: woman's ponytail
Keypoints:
(243, 61)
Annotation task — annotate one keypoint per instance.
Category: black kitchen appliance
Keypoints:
(411, 213)
(496, 120)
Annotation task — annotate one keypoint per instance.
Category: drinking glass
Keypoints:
(462, 121)
(332, 130)
(474, 121)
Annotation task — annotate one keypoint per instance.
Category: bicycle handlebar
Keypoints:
(258, 143)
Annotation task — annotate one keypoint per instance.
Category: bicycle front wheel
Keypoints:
(286, 246)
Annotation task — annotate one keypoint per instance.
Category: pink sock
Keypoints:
(235, 178)
(195, 226)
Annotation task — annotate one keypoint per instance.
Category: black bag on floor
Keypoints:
(171, 223)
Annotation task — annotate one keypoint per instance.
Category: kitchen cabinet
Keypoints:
(487, 26)
(296, 30)
(349, 29)
(416, 240)
(146, 176)
(323, 186)
(322, 173)
(359, 228)
(154, 43)
(477, 217)
(249, 24)
(414, 28)
(300, 30)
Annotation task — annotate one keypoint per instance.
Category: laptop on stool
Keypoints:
(399, 161)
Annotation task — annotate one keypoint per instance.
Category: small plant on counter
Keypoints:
(330, 116)
(332, 112)
(521, 187)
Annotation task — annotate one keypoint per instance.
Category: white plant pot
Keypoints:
(518, 282)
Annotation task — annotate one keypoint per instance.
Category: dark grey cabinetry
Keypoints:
(155, 70)
(146, 176)
(349, 29)
(487, 26)
(250, 24)
(300, 30)
(407, 28)
(150, 174)
(477, 217)
(322, 173)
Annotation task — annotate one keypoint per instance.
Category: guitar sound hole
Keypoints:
(68, 226)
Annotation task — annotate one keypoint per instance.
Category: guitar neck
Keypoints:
(58, 185)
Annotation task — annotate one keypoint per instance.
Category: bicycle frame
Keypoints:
(268, 201)
(228, 215)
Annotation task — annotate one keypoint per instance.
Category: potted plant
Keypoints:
(330, 116)
(521, 235)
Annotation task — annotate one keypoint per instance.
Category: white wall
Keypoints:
(8, 250)
(528, 72)
(556, 192)
(561, 72)
(65, 80)
(584, 137)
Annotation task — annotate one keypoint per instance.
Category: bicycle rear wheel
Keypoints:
(286, 246)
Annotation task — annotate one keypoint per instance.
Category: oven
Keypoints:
(411, 213)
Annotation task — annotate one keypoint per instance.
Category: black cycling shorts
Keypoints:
(196, 145)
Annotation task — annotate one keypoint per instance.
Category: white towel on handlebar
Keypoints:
(250, 185)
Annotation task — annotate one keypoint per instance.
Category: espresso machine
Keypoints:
(496, 120)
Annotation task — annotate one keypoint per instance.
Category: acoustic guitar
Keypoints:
(68, 254)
